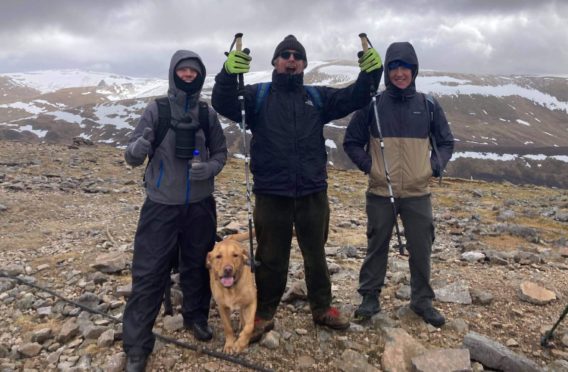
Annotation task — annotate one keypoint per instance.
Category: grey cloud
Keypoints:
(138, 37)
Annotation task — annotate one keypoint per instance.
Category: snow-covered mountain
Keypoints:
(498, 120)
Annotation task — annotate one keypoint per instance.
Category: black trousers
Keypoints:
(163, 232)
(274, 219)
(416, 216)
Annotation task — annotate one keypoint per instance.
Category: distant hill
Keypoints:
(508, 128)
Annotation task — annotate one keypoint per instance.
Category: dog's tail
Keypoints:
(241, 237)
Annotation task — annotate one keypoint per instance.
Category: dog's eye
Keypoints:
(235, 255)
(218, 256)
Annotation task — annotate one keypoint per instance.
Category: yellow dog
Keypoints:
(233, 288)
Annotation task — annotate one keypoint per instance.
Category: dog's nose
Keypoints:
(228, 270)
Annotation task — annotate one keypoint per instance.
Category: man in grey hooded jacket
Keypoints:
(178, 216)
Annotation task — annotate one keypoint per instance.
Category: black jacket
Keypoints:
(288, 155)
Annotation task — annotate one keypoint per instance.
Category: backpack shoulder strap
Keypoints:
(431, 104)
(262, 90)
(204, 120)
(164, 119)
(315, 96)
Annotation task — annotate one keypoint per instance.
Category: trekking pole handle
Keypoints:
(364, 41)
(239, 41)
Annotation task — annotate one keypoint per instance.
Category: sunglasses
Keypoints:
(297, 56)
(398, 63)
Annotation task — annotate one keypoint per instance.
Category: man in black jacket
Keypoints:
(288, 163)
(407, 127)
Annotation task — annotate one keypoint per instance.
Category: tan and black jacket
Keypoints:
(406, 127)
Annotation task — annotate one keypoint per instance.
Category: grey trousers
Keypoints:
(416, 216)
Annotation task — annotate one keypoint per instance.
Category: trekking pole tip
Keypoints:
(544, 339)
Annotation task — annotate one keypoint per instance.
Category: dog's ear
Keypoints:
(245, 254)
(208, 260)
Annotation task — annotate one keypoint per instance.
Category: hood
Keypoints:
(174, 92)
(401, 51)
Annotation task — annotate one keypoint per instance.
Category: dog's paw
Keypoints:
(239, 346)
(229, 346)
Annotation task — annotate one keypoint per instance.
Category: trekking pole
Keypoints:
(237, 42)
(365, 43)
(548, 334)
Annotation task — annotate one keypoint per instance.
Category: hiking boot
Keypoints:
(331, 318)
(136, 362)
(369, 307)
(430, 315)
(261, 326)
(200, 330)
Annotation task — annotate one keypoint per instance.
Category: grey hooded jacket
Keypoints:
(167, 178)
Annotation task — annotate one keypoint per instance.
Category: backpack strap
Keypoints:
(164, 122)
(263, 89)
(430, 103)
(314, 96)
(204, 120)
(165, 118)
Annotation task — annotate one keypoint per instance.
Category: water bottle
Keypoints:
(185, 139)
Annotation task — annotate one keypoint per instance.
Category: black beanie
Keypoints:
(290, 42)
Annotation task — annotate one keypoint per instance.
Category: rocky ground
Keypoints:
(67, 221)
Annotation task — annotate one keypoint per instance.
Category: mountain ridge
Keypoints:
(497, 114)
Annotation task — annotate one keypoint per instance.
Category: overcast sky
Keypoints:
(138, 37)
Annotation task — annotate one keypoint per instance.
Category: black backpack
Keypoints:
(165, 118)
